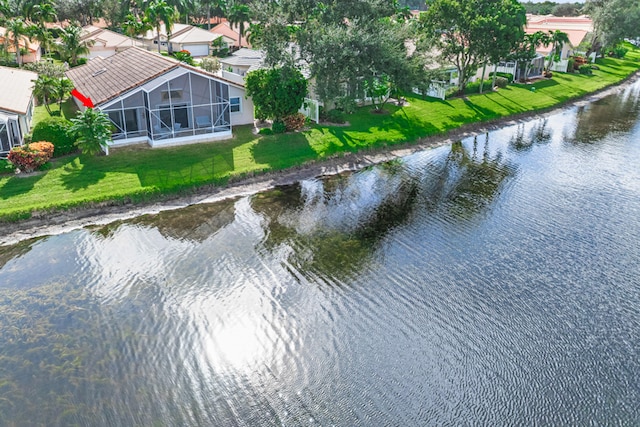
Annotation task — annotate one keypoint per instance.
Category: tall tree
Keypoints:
(613, 21)
(71, 45)
(17, 31)
(467, 33)
(159, 12)
(526, 51)
(239, 15)
(557, 38)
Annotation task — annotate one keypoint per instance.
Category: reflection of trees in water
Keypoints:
(333, 249)
(463, 185)
(475, 181)
(615, 113)
(195, 223)
(9, 253)
(539, 134)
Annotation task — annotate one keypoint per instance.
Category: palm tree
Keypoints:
(18, 30)
(239, 14)
(134, 27)
(557, 38)
(62, 91)
(44, 88)
(158, 11)
(72, 45)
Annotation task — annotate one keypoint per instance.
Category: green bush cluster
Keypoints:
(585, 69)
(618, 52)
(265, 131)
(332, 116)
(278, 126)
(6, 166)
(55, 130)
(507, 76)
(502, 82)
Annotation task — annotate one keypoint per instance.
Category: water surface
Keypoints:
(493, 282)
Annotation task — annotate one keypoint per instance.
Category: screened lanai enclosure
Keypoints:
(9, 133)
(179, 106)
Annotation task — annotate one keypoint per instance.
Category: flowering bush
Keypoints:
(184, 56)
(31, 156)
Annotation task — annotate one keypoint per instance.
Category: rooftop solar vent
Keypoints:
(97, 73)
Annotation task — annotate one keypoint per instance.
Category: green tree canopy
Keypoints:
(613, 21)
(467, 33)
(276, 92)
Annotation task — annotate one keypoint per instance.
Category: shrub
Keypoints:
(618, 52)
(56, 131)
(507, 76)
(570, 65)
(265, 131)
(278, 126)
(184, 56)
(6, 166)
(502, 82)
(335, 116)
(585, 69)
(210, 64)
(31, 156)
(346, 104)
(295, 121)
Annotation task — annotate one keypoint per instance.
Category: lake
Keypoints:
(494, 281)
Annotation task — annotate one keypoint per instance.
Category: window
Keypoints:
(235, 104)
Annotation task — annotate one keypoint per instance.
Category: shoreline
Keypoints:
(64, 221)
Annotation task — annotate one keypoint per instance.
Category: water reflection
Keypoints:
(611, 114)
(492, 281)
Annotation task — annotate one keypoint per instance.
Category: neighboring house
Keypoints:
(236, 66)
(155, 99)
(183, 37)
(30, 48)
(106, 43)
(16, 106)
(576, 27)
(242, 61)
(226, 29)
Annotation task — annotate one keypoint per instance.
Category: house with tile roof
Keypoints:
(158, 100)
(16, 106)
(183, 37)
(577, 29)
(104, 42)
(226, 29)
(30, 48)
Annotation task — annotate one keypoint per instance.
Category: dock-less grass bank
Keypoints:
(140, 173)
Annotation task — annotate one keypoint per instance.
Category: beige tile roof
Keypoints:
(16, 88)
(104, 79)
(194, 35)
(106, 38)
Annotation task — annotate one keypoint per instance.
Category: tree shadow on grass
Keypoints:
(19, 184)
(281, 151)
(78, 177)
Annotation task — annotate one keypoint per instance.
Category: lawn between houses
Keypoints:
(139, 173)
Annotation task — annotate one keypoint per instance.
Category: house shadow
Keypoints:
(268, 150)
(20, 184)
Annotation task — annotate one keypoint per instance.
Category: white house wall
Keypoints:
(245, 116)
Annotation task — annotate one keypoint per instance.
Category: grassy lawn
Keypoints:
(140, 173)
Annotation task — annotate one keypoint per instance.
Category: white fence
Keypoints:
(560, 66)
(311, 109)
